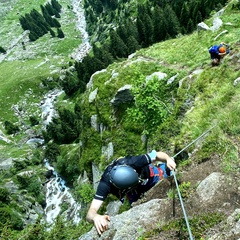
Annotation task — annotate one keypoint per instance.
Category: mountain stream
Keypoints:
(57, 192)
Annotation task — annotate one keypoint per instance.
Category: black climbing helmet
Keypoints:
(123, 176)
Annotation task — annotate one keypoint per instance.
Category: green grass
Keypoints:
(15, 80)
(27, 71)
(191, 51)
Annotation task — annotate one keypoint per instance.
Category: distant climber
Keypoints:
(217, 52)
(128, 176)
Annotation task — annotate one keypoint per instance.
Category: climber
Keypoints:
(217, 52)
(130, 177)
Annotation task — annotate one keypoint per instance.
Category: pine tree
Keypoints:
(132, 28)
(60, 33)
(44, 28)
(123, 32)
(190, 26)
(198, 18)
(52, 33)
(132, 44)
(159, 25)
(32, 36)
(117, 46)
(97, 65)
(47, 17)
(56, 5)
(102, 54)
(63, 130)
(87, 68)
(149, 30)
(177, 7)
(82, 86)
(24, 23)
(98, 6)
(171, 20)
(50, 9)
(106, 56)
(195, 14)
(10, 127)
(28, 22)
(141, 32)
(184, 15)
(70, 85)
(39, 19)
(2, 50)
(36, 29)
(113, 4)
(56, 23)
(56, 14)
(79, 66)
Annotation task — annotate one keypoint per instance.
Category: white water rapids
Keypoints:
(84, 48)
(57, 192)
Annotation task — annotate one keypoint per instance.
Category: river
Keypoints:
(57, 192)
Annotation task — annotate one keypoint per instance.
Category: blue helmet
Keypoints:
(123, 177)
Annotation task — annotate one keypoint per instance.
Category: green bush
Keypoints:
(33, 120)
(87, 193)
(36, 158)
(7, 215)
(10, 127)
(19, 165)
(4, 195)
(67, 167)
(51, 152)
(34, 186)
(31, 184)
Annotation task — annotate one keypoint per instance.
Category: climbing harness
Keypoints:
(175, 179)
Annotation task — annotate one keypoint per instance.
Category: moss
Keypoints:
(91, 149)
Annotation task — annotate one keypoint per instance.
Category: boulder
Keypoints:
(130, 225)
(123, 95)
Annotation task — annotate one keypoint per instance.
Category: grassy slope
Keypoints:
(190, 53)
(212, 91)
(46, 54)
(40, 60)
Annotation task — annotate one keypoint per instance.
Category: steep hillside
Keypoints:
(160, 97)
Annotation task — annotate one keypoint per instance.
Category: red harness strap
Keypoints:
(156, 172)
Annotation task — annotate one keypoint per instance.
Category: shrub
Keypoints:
(51, 152)
(4, 195)
(10, 127)
(86, 193)
(31, 184)
(7, 215)
(33, 120)
(19, 165)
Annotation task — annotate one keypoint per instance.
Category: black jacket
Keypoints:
(140, 163)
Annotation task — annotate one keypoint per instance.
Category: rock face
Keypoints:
(217, 23)
(233, 224)
(131, 224)
(123, 95)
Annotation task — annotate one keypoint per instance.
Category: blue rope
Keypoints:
(183, 209)
(175, 179)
